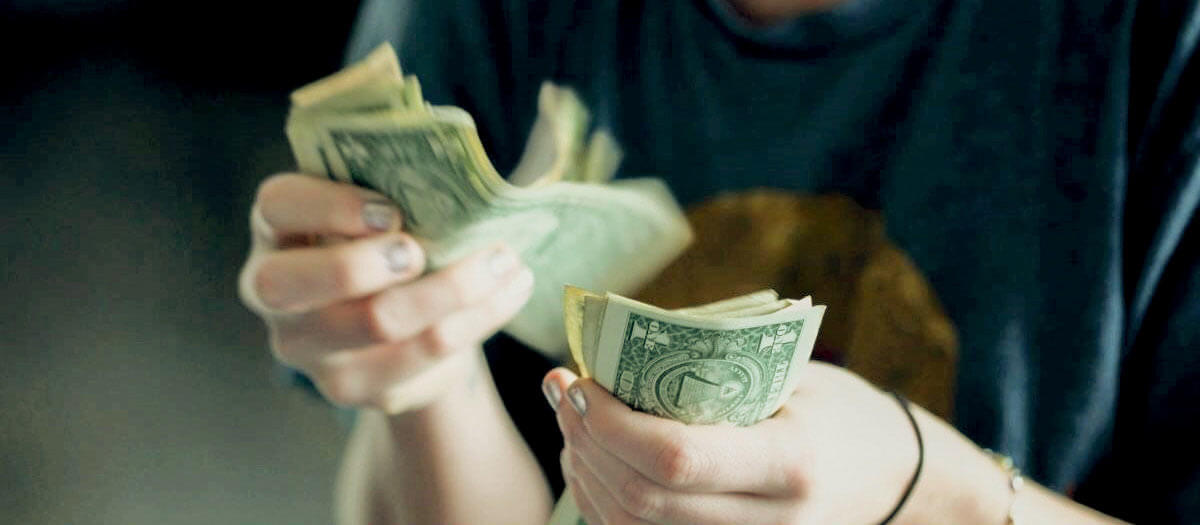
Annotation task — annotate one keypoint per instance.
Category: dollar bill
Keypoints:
(556, 141)
(369, 125)
(732, 362)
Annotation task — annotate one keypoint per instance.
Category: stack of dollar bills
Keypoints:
(732, 362)
(370, 125)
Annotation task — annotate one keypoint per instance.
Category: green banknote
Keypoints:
(733, 362)
(368, 125)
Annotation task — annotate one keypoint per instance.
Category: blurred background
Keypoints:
(136, 388)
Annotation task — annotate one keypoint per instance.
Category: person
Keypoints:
(1037, 160)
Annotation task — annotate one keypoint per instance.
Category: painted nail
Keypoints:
(553, 394)
(500, 262)
(398, 256)
(575, 395)
(379, 216)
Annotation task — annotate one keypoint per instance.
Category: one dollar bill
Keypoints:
(369, 125)
(733, 362)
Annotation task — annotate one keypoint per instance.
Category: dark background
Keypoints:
(135, 387)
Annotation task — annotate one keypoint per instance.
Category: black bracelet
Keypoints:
(920, 458)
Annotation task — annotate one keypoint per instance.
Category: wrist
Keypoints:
(446, 392)
(960, 483)
(449, 385)
(437, 462)
(910, 486)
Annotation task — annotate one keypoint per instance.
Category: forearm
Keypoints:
(961, 484)
(458, 460)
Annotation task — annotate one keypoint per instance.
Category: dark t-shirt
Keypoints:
(1037, 160)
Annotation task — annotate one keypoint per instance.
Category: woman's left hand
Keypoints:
(839, 451)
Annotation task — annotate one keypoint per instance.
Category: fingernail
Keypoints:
(398, 256)
(553, 394)
(575, 395)
(379, 216)
(500, 262)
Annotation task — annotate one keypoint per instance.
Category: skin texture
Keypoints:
(839, 451)
(341, 289)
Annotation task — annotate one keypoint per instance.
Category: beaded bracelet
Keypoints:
(1015, 480)
(920, 457)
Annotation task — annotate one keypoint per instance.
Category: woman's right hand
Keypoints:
(340, 287)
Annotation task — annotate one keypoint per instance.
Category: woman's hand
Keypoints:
(339, 286)
(839, 451)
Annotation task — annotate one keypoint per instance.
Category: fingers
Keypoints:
(348, 380)
(576, 491)
(292, 205)
(620, 494)
(396, 376)
(603, 507)
(413, 322)
(699, 459)
(446, 338)
(402, 310)
(622, 487)
(419, 357)
(353, 314)
(303, 279)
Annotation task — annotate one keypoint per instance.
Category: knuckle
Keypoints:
(267, 285)
(274, 194)
(424, 294)
(283, 346)
(272, 187)
(678, 464)
(572, 432)
(438, 340)
(564, 464)
(343, 271)
(458, 285)
(378, 321)
(247, 287)
(640, 499)
(340, 387)
(796, 480)
(346, 209)
(388, 401)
